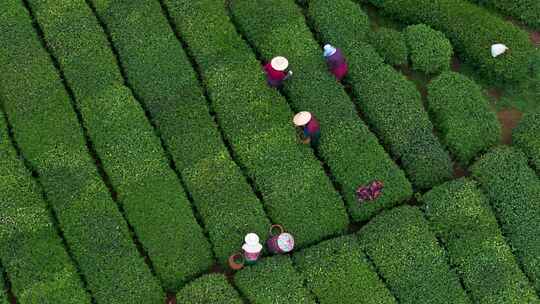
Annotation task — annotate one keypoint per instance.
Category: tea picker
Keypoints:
(281, 242)
(336, 61)
(277, 71)
(310, 127)
(251, 250)
(369, 192)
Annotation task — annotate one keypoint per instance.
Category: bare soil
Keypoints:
(509, 119)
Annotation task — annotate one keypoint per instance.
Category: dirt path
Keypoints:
(509, 119)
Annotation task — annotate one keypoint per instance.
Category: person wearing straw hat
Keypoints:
(310, 125)
(276, 71)
(336, 61)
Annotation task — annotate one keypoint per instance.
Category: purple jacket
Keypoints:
(336, 60)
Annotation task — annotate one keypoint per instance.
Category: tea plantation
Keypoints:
(140, 142)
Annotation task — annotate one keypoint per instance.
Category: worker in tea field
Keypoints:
(276, 71)
(336, 61)
(311, 128)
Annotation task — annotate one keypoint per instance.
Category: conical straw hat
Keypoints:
(329, 50)
(498, 49)
(301, 118)
(279, 63)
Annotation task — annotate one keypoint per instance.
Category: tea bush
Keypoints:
(430, 51)
(30, 249)
(50, 137)
(527, 137)
(462, 115)
(209, 289)
(130, 152)
(472, 30)
(527, 11)
(273, 280)
(409, 259)
(257, 123)
(337, 271)
(462, 219)
(346, 142)
(390, 44)
(390, 104)
(514, 192)
(172, 95)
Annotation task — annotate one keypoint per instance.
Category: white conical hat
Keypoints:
(279, 63)
(301, 118)
(498, 49)
(329, 50)
(251, 238)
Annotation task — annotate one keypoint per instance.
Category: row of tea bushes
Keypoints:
(527, 137)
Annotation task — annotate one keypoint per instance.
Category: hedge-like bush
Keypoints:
(430, 51)
(130, 152)
(390, 44)
(514, 192)
(337, 271)
(39, 267)
(209, 289)
(527, 11)
(526, 136)
(3, 296)
(472, 30)
(50, 137)
(346, 142)
(461, 217)
(409, 259)
(273, 280)
(462, 115)
(257, 123)
(172, 95)
(390, 103)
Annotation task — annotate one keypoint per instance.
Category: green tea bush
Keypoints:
(390, 104)
(337, 271)
(173, 97)
(3, 296)
(462, 115)
(514, 192)
(209, 289)
(390, 44)
(409, 259)
(30, 249)
(130, 152)
(257, 123)
(461, 217)
(472, 30)
(50, 137)
(430, 50)
(527, 11)
(526, 136)
(273, 280)
(346, 142)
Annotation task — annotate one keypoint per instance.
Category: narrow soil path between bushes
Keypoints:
(171, 299)
(509, 119)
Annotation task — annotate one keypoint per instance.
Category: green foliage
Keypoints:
(462, 115)
(257, 123)
(390, 103)
(50, 137)
(527, 137)
(273, 280)
(337, 271)
(391, 45)
(527, 11)
(472, 30)
(130, 152)
(346, 143)
(514, 192)
(461, 217)
(209, 289)
(429, 49)
(31, 251)
(172, 95)
(409, 259)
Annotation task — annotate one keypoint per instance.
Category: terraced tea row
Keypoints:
(125, 142)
